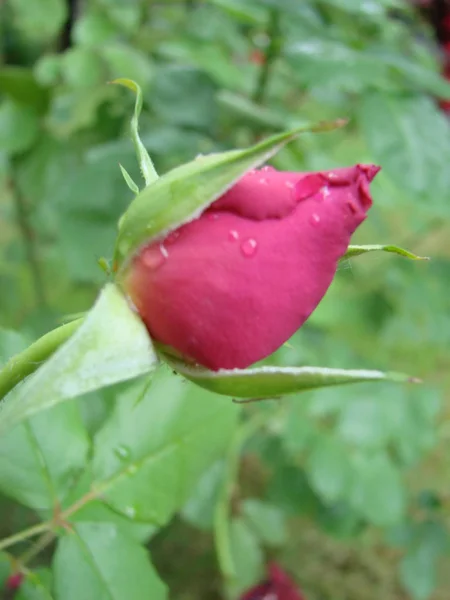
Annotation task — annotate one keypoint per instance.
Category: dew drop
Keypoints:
(132, 469)
(267, 169)
(325, 191)
(130, 511)
(263, 181)
(122, 452)
(249, 247)
(338, 179)
(172, 237)
(252, 172)
(153, 257)
(163, 251)
(212, 216)
(290, 185)
(233, 235)
(315, 219)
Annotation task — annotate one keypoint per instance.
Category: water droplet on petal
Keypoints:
(325, 191)
(290, 185)
(267, 169)
(249, 247)
(338, 179)
(315, 219)
(212, 216)
(263, 181)
(251, 172)
(163, 251)
(172, 237)
(122, 452)
(233, 235)
(153, 258)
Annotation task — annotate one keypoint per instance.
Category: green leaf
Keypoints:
(129, 180)
(418, 569)
(353, 251)
(184, 96)
(40, 458)
(96, 560)
(248, 557)
(271, 382)
(415, 149)
(36, 586)
(328, 468)
(19, 127)
(111, 345)
(377, 491)
(39, 20)
(96, 511)
(21, 86)
(145, 162)
(184, 192)
(266, 520)
(11, 342)
(159, 440)
(82, 68)
(200, 507)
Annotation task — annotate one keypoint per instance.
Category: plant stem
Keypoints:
(29, 243)
(46, 528)
(25, 534)
(23, 364)
(39, 545)
(223, 505)
(273, 31)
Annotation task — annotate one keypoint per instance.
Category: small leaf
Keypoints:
(129, 180)
(111, 345)
(377, 491)
(40, 458)
(145, 162)
(271, 382)
(96, 560)
(266, 520)
(159, 440)
(248, 557)
(353, 251)
(184, 192)
(328, 468)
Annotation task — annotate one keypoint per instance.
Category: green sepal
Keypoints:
(145, 162)
(272, 382)
(129, 180)
(183, 193)
(353, 251)
(111, 345)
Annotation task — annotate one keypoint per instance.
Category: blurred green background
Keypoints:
(349, 488)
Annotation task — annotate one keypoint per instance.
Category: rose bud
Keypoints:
(278, 586)
(230, 287)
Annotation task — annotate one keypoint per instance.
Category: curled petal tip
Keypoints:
(369, 170)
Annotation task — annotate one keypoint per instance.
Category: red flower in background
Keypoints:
(277, 586)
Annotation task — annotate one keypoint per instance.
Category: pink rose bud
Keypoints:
(229, 288)
(278, 586)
